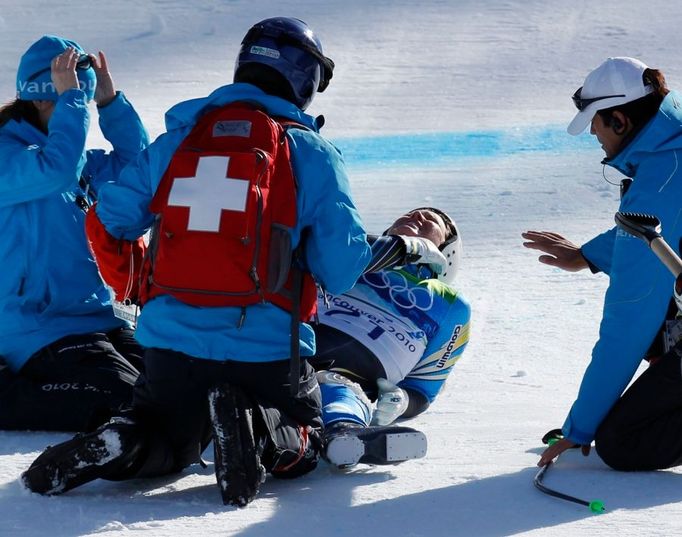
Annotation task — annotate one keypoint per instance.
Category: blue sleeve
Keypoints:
(32, 172)
(599, 251)
(635, 305)
(443, 350)
(121, 126)
(336, 243)
(123, 206)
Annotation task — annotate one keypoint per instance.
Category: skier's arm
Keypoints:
(32, 172)
(387, 251)
(425, 381)
(417, 403)
(390, 251)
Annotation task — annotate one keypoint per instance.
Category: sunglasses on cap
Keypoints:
(84, 62)
(581, 103)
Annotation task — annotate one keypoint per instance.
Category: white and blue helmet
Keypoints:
(451, 248)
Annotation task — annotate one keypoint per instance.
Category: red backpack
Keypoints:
(224, 208)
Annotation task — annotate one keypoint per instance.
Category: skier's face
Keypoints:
(421, 223)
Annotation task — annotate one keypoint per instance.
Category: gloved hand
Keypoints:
(426, 251)
(391, 404)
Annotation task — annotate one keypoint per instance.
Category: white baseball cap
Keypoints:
(616, 81)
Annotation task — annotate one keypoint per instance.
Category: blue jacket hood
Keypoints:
(187, 113)
(662, 133)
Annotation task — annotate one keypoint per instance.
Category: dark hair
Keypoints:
(267, 79)
(641, 110)
(20, 110)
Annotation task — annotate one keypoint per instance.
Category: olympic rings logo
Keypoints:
(399, 290)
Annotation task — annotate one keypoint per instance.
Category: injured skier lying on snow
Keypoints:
(394, 339)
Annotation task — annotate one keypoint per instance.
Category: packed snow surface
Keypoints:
(462, 105)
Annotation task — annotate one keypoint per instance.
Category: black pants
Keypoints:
(643, 430)
(339, 352)
(73, 384)
(170, 414)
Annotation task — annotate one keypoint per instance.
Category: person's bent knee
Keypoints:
(629, 454)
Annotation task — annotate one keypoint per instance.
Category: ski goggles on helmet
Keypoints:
(84, 62)
(283, 38)
(581, 103)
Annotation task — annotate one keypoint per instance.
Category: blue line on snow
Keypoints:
(443, 147)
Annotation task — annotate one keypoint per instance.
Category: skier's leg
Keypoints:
(348, 440)
(642, 430)
(340, 352)
(343, 400)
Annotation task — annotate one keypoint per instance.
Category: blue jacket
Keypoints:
(640, 286)
(49, 284)
(336, 249)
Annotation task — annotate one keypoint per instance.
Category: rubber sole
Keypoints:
(349, 449)
(238, 469)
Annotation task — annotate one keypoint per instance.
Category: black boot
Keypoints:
(238, 467)
(108, 451)
(347, 444)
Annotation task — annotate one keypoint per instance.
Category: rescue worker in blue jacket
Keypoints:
(638, 123)
(67, 363)
(223, 371)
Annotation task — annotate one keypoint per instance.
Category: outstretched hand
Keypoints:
(562, 253)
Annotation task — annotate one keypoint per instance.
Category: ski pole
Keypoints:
(596, 506)
(648, 228)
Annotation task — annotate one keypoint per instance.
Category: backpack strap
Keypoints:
(296, 291)
(295, 344)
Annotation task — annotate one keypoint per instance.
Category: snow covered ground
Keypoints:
(460, 104)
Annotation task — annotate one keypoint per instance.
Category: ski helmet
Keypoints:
(291, 48)
(451, 248)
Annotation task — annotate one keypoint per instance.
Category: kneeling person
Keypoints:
(218, 315)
